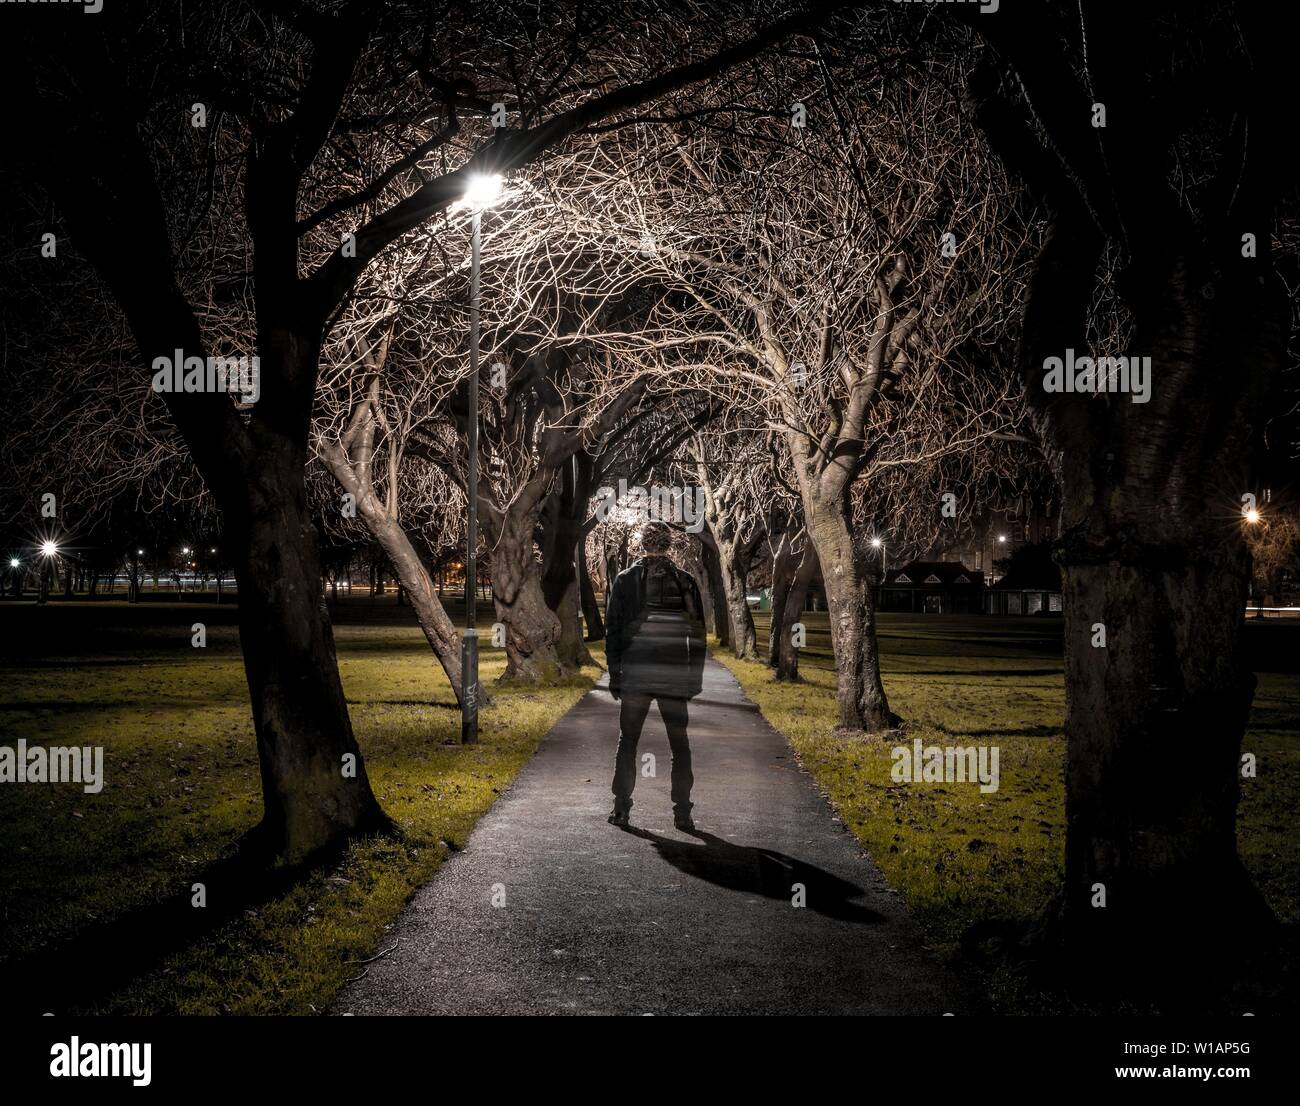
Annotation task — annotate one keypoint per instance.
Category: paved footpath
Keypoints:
(598, 920)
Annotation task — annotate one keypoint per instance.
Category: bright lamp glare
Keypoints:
(1252, 516)
(483, 190)
(875, 542)
(13, 562)
(49, 548)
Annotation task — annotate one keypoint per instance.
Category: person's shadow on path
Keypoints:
(760, 871)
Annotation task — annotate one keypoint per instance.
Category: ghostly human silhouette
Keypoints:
(655, 646)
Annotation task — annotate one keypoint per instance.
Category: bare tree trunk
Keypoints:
(1155, 718)
(562, 591)
(717, 594)
(1154, 582)
(787, 667)
(784, 564)
(700, 573)
(590, 608)
(561, 535)
(860, 693)
(532, 628)
(429, 612)
(571, 647)
(733, 559)
(314, 784)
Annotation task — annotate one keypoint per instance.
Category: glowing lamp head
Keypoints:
(876, 543)
(13, 562)
(482, 191)
(186, 550)
(1253, 516)
(49, 548)
(1002, 537)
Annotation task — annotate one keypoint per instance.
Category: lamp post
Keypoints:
(482, 192)
(1252, 517)
(133, 588)
(49, 550)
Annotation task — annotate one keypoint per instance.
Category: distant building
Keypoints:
(997, 534)
(932, 587)
(1026, 591)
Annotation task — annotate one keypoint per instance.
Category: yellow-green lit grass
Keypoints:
(182, 785)
(958, 856)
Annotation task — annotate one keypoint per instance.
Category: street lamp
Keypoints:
(1252, 517)
(482, 191)
(49, 550)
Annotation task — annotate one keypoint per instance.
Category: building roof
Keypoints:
(933, 574)
(1045, 579)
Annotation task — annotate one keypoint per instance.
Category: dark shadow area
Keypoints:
(718, 704)
(88, 968)
(983, 673)
(758, 871)
(1244, 961)
(1002, 731)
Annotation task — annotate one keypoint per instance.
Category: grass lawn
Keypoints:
(181, 785)
(959, 856)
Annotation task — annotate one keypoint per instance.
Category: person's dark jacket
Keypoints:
(654, 631)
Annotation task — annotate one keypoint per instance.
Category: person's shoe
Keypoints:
(683, 822)
(618, 818)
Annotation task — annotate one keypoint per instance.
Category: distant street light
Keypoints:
(14, 562)
(877, 543)
(49, 550)
(1253, 516)
(483, 190)
(1002, 538)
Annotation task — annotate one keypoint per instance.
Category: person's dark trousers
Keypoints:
(631, 720)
